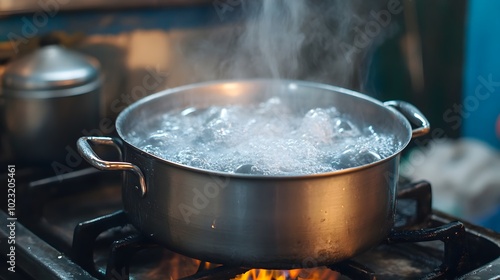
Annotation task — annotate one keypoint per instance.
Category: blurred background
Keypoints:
(441, 56)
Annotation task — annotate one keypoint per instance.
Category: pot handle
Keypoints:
(86, 151)
(413, 115)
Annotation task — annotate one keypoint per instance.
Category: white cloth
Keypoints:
(465, 176)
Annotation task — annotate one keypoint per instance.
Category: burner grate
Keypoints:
(51, 207)
(451, 234)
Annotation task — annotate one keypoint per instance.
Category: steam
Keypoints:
(272, 40)
(282, 39)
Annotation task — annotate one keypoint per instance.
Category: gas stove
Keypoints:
(72, 227)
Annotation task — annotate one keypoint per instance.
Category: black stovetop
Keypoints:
(50, 208)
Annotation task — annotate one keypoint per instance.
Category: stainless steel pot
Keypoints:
(255, 220)
(49, 97)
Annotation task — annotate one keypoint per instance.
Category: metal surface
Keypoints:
(84, 148)
(91, 198)
(483, 243)
(30, 249)
(263, 221)
(413, 115)
(453, 237)
(39, 129)
(48, 99)
(85, 235)
(47, 69)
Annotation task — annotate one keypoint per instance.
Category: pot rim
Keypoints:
(51, 94)
(316, 85)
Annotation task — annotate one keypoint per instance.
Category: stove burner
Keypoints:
(52, 238)
(86, 234)
(122, 250)
(453, 236)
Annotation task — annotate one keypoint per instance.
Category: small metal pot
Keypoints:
(49, 97)
(255, 220)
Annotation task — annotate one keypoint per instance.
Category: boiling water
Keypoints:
(267, 139)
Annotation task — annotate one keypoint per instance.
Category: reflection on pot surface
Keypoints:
(258, 220)
(49, 96)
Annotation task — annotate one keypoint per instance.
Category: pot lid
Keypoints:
(50, 67)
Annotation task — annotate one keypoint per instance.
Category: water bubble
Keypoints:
(343, 127)
(268, 138)
(316, 126)
(367, 156)
(346, 159)
(248, 169)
